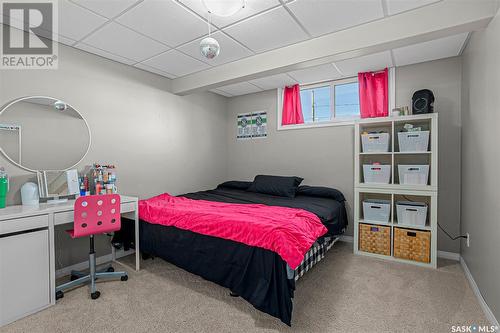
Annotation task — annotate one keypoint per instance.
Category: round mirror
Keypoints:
(40, 133)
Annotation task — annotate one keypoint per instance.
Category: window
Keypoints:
(330, 101)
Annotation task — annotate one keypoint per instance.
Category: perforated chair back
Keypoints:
(96, 214)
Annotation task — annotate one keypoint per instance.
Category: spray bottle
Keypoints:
(4, 187)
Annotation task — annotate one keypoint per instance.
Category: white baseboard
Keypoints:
(449, 255)
(85, 264)
(347, 239)
(486, 309)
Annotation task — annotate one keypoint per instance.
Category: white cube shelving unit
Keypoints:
(394, 191)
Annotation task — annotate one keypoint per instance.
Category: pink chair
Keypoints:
(94, 214)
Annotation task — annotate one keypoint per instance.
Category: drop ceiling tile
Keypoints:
(108, 8)
(216, 91)
(230, 50)
(398, 6)
(76, 22)
(252, 7)
(104, 54)
(166, 21)
(431, 50)
(315, 74)
(155, 71)
(320, 17)
(241, 88)
(274, 81)
(271, 30)
(124, 42)
(176, 63)
(371, 62)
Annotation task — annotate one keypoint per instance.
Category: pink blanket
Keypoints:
(289, 232)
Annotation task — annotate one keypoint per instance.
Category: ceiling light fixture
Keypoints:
(209, 46)
(224, 8)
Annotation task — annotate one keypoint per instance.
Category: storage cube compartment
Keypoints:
(376, 173)
(413, 174)
(412, 244)
(375, 142)
(411, 213)
(375, 239)
(376, 210)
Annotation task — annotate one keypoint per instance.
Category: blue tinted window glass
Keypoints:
(322, 105)
(347, 100)
(306, 103)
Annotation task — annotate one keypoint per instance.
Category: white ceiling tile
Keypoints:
(315, 74)
(103, 54)
(64, 40)
(241, 88)
(155, 71)
(217, 91)
(372, 62)
(274, 81)
(76, 22)
(166, 21)
(398, 6)
(252, 7)
(176, 63)
(320, 17)
(108, 8)
(230, 50)
(124, 42)
(431, 50)
(271, 30)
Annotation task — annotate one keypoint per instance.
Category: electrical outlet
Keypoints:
(468, 239)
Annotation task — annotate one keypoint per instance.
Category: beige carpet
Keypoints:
(343, 293)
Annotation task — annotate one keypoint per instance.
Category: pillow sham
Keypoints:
(235, 184)
(275, 185)
(320, 191)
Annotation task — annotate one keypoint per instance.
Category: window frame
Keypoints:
(334, 121)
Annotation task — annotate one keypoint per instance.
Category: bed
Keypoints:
(259, 275)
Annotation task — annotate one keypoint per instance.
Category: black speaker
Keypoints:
(422, 102)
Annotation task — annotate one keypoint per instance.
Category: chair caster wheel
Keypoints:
(95, 295)
(110, 270)
(73, 277)
(59, 294)
(233, 294)
(124, 278)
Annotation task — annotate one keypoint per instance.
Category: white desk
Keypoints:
(30, 232)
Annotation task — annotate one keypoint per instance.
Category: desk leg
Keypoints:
(137, 251)
(52, 260)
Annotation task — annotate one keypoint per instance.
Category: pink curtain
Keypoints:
(292, 109)
(373, 96)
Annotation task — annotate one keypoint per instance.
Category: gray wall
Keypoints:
(324, 156)
(159, 141)
(480, 160)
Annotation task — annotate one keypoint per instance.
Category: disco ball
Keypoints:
(209, 47)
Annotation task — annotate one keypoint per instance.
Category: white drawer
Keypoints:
(63, 217)
(24, 223)
(127, 207)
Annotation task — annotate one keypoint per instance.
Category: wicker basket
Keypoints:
(412, 244)
(375, 239)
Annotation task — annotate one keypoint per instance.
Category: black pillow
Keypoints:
(235, 184)
(276, 185)
(319, 191)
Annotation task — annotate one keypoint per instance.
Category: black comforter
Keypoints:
(257, 275)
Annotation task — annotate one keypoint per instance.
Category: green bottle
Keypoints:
(4, 187)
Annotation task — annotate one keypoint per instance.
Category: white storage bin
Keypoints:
(411, 213)
(413, 174)
(376, 173)
(377, 142)
(413, 141)
(376, 210)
